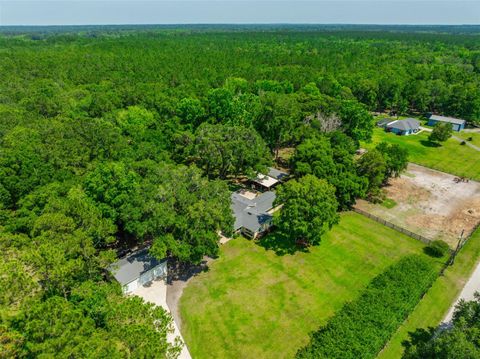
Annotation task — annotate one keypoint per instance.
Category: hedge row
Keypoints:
(363, 327)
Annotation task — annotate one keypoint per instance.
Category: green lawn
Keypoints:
(434, 306)
(450, 157)
(256, 302)
(465, 135)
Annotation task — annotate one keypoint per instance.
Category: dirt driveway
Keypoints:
(430, 203)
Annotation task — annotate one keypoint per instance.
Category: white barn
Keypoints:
(138, 268)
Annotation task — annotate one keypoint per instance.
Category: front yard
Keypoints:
(260, 300)
(450, 156)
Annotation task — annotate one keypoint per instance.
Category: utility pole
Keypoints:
(455, 252)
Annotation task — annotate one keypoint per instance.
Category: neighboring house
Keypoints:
(268, 182)
(457, 124)
(138, 269)
(253, 216)
(403, 127)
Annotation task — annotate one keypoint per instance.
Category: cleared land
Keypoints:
(262, 300)
(450, 156)
(435, 304)
(429, 203)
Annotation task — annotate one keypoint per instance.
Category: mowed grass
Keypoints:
(475, 136)
(255, 303)
(435, 304)
(450, 156)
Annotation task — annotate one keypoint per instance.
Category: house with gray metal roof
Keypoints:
(253, 216)
(138, 268)
(457, 124)
(277, 174)
(407, 126)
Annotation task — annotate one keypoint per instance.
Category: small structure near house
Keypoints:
(138, 268)
(403, 127)
(268, 182)
(457, 124)
(383, 122)
(253, 214)
(279, 175)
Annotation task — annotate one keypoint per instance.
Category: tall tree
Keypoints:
(309, 209)
(441, 132)
(224, 150)
(357, 122)
(460, 340)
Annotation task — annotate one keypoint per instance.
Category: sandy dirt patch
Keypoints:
(430, 203)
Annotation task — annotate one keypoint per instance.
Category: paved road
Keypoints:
(472, 286)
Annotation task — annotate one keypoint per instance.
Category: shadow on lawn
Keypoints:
(280, 244)
(179, 271)
(427, 143)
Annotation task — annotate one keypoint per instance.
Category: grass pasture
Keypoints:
(261, 300)
(435, 304)
(450, 156)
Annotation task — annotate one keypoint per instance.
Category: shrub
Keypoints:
(363, 327)
(463, 143)
(437, 249)
(470, 138)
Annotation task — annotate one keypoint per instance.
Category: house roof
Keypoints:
(265, 180)
(131, 267)
(384, 121)
(404, 125)
(277, 174)
(456, 121)
(252, 213)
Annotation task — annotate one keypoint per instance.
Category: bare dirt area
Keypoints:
(430, 203)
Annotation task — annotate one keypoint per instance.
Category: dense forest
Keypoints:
(112, 139)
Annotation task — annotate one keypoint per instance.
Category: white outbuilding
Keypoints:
(138, 268)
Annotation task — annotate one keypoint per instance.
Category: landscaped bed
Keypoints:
(262, 300)
(450, 156)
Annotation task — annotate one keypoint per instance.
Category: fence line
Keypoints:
(394, 226)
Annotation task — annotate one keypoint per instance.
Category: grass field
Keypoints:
(465, 135)
(450, 157)
(434, 306)
(262, 300)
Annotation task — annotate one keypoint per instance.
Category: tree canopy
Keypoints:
(115, 139)
(309, 209)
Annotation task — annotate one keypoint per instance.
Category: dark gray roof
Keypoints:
(384, 121)
(129, 268)
(404, 125)
(277, 174)
(456, 121)
(252, 213)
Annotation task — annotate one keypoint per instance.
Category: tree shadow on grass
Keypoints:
(180, 271)
(419, 336)
(428, 143)
(280, 244)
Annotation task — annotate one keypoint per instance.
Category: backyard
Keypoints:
(450, 156)
(261, 300)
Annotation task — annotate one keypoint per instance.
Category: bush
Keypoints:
(437, 249)
(463, 143)
(362, 327)
(470, 138)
